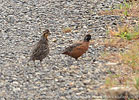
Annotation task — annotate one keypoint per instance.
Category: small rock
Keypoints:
(62, 98)
(54, 40)
(71, 83)
(56, 79)
(118, 93)
(15, 83)
(74, 89)
(87, 81)
(111, 63)
(16, 89)
(74, 67)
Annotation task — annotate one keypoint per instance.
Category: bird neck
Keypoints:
(44, 39)
(86, 40)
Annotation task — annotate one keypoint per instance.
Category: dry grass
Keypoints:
(126, 32)
(126, 9)
(131, 57)
(115, 42)
(123, 67)
(127, 63)
(131, 0)
(121, 38)
(111, 57)
(127, 79)
(126, 70)
(136, 82)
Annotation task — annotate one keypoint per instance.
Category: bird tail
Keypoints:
(64, 52)
(61, 52)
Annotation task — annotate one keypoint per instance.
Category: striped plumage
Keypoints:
(41, 50)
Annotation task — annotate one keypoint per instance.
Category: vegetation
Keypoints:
(131, 57)
(136, 83)
(128, 33)
(126, 37)
(125, 9)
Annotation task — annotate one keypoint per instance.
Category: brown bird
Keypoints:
(41, 50)
(78, 49)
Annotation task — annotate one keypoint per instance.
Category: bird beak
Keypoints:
(47, 34)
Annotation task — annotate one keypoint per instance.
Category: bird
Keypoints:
(78, 49)
(41, 49)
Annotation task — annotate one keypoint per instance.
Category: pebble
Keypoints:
(87, 81)
(21, 24)
(16, 89)
(111, 63)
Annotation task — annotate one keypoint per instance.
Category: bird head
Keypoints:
(46, 33)
(87, 38)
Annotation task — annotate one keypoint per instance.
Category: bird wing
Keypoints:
(82, 48)
(70, 48)
(39, 49)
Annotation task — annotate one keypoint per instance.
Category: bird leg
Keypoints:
(34, 63)
(41, 63)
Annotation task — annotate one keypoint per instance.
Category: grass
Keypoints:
(125, 9)
(127, 32)
(109, 82)
(122, 37)
(136, 85)
(125, 6)
(131, 57)
(124, 65)
(127, 73)
(111, 57)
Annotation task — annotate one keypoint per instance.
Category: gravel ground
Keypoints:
(61, 77)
